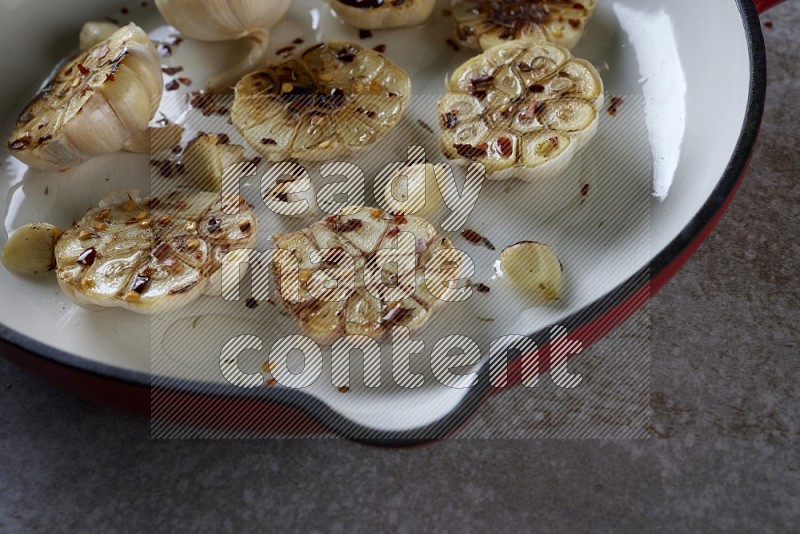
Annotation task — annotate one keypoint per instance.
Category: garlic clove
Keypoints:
(94, 33)
(205, 161)
(533, 267)
(29, 249)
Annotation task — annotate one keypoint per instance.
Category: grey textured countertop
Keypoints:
(724, 398)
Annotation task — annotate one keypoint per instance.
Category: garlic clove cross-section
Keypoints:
(94, 105)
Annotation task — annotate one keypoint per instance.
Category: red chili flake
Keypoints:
(768, 24)
(344, 389)
(469, 151)
(21, 143)
(267, 141)
(400, 218)
(223, 139)
(87, 257)
(616, 102)
(364, 34)
(584, 190)
(251, 303)
(346, 54)
(298, 41)
(575, 23)
(83, 69)
(245, 227)
(351, 225)
(285, 50)
(172, 86)
(110, 77)
(450, 119)
(472, 236)
(162, 251)
(185, 81)
(453, 44)
(381, 48)
(537, 88)
(282, 196)
(140, 284)
(481, 288)
(393, 231)
(504, 146)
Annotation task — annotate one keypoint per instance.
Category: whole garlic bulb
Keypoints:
(226, 20)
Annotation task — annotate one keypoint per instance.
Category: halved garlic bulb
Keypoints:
(350, 248)
(522, 109)
(151, 255)
(332, 99)
(533, 267)
(377, 14)
(29, 249)
(226, 20)
(206, 158)
(94, 105)
(482, 24)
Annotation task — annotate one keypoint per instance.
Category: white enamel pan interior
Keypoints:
(690, 75)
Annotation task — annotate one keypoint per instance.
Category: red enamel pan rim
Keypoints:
(278, 410)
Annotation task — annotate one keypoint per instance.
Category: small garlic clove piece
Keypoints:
(94, 33)
(93, 105)
(414, 190)
(205, 160)
(378, 14)
(533, 267)
(29, 249)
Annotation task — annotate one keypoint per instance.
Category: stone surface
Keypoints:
(725, 417)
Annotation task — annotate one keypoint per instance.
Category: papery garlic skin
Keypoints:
(378, 14)
(94, 105)
(226, 20)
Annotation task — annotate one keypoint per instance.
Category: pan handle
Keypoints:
(763, 5)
